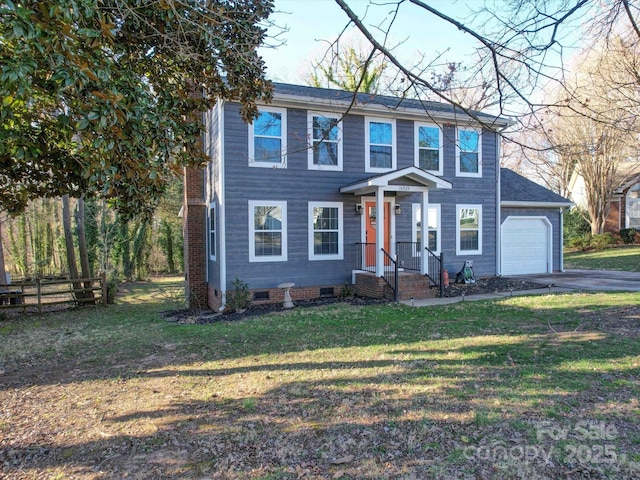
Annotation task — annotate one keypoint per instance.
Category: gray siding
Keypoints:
(297, 186)
(554, 217)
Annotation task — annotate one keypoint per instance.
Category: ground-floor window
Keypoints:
(633, 207)
(325, 231)
(267, 231)
(468, 229)
(212, 232)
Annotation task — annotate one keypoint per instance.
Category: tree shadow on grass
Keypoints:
(411, 420)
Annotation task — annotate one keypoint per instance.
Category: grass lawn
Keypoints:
(621, 258)
(525, 387)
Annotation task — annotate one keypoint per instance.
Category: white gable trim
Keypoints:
(425, 180)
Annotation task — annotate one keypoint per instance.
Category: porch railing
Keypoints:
(408, 255)
(365, 257)
(435, 270)
(390, 275)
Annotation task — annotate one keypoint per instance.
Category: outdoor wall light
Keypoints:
(398, 209)
(358, 209)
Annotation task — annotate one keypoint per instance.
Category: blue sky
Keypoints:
(312, 23)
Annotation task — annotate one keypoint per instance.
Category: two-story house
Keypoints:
(325, 189)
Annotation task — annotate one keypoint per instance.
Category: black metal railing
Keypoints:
(390, 275)
(435, 269)
(408, 255)
(365, 258)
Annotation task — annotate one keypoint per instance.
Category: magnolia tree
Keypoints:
(103, 97)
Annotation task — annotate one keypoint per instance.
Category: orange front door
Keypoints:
(371, 224)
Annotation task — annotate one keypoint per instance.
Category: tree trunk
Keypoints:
(139, 247)
(84, 256)
(169, 246)
(68, 240)
(3, 271)
(125, 249)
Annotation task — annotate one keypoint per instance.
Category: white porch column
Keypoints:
(380, 222)
(424, 232)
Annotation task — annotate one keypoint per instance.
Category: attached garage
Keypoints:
(530, 234)
(526, 245)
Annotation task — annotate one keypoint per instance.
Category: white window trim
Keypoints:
(311, 165)
(415, 208)
(468, 174)
(468, 252)
(283, 141)
(314, 256)
(212, 251)
(416, 154)
(628, 201)
(367, 165)
(252, 244)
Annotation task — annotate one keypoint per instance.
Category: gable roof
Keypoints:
(519, 191)
(622, 189)
(405, 181)
(327, 97)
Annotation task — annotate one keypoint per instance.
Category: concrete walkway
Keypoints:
(570, 280)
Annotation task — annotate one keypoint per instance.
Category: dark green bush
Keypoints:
(602, 241)
(576, 229)
(628, 235)
(583, 241)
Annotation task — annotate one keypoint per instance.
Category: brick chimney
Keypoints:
(194, 223)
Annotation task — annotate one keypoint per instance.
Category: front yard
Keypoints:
(621, 258)
(527, 387)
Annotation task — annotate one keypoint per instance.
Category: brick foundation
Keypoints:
(276, 295)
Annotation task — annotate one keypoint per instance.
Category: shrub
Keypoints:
(583, 241)
(576, 228)
(112, 288)
(602, 241)
(239, 298)
(628, 235)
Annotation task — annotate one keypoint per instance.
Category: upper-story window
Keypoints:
(325, 140)
(428, 148)
(468, 152)
(380, 155)
(268, 138)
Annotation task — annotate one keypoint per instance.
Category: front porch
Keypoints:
(384, 267)
(401, 277)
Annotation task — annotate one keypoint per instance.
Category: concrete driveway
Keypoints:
(589, 280)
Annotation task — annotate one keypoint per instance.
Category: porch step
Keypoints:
(410, 285)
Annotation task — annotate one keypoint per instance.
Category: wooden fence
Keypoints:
(44, 292)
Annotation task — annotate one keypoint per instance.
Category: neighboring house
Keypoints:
(323, 190)
(624, 206)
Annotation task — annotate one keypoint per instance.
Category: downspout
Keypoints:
(498, 208)
(222, 208)
(561, 239)
(207, 195)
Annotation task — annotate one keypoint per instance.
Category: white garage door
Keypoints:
(526, 245)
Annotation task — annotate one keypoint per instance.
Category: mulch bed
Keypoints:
(481, 286)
